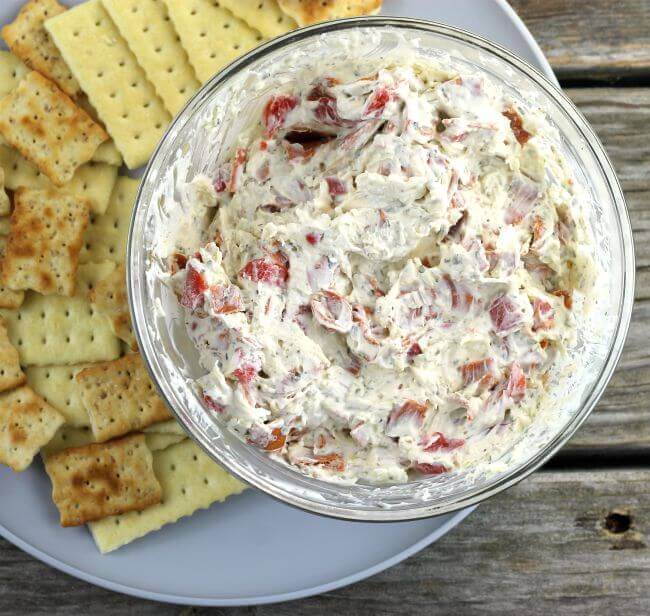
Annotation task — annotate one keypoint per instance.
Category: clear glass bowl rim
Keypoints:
(476, 495)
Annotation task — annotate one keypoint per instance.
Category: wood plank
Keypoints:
(541, 547)
(598, 39)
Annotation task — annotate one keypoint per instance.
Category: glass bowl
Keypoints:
(200, 135)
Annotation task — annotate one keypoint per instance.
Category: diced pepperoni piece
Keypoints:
(414, 350)
(377, 101)
(225, 299)
(427, 468)
(314, 237)
(177, 262)
(566, 297)
(212, 404)
(516, 385)
(332, 311)
(476, 370)
(245, 374)
(276, 440)
(335, 186)
(461, 299)
(523, 195)
(542, 314)
(195, 286)
(439, 441)
(222, 179)
(516, 125)
(355, 365)
(409, 410)
(276, 111)
(332, 461)
(267, 270)
(505, 315)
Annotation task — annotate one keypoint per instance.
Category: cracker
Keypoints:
(57, 385)
(211, 36)
(109, 297)
(108, 153)
(8, 297)
(27, 423)
(4, 197)
(265, 16)
(312, 11)
(5, 225)
(93, 181)
(102, 479)
(27, 38)
(106, 235)
(50, 330)
(47, 128)
(12, 70)
(120, 397)
(110, 75)
(45, 238)
(145, 26)
(10, 373)
(158, 442)
(190, 481)
(166, 427)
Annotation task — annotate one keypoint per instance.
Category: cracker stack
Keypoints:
(81, 91)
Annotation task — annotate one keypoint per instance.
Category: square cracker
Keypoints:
(47, 128)
(120, 397)
(4, 197)
(190, 481)
(94, 180)
(10, 373)
(110, 75)
(27, 423)
(106, 235)
(8, 297)
(57, 386)
(102, 479)
(27, 38)
(109, 297)
(307, 12)
(12, 70)
(265, 16)
(52, 329)
(45, 238)
(145, 26)
(211, 36)
(166, 427)
(108, 153)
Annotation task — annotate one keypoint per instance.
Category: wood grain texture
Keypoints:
(598, 39)
(540, 548)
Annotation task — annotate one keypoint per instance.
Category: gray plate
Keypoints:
(251, 549)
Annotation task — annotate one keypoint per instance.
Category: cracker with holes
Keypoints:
(106, 236)
(60, 330)
(307, 12)
(99, 480)
(93, 181)
(10, 373)
(12, 70)
(108, 153)
(4, 197)
(27, 38)
(57, 385)
(8, 297)
(211, 35)
(265, 16)
(109, 297)
(27, 423)
(120, 397)
(110, 75)
(152, 39)
(47, 128)
(190, 481)
(45, 238)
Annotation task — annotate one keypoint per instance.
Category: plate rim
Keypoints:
(204, 601)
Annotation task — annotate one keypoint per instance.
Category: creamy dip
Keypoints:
(393, 267)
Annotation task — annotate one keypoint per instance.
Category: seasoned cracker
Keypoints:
(52, 329)
(27, 423)
(8, 297)
(109, 297)
(99, 480)
(106, 236)
(45, 238)
(307, 12)
(57, 386)
(47, 128)
(110, 75)
(190, 481)
(145, 26)
(120, 397)
(27, 38)
(10, 373)
(211, 36)
(265, 16)
(12, 70)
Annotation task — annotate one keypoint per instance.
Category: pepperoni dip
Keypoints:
(392, 269)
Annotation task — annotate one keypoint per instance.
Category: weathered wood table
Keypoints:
(575, 537)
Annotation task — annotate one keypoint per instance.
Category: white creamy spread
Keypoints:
(390, 266)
